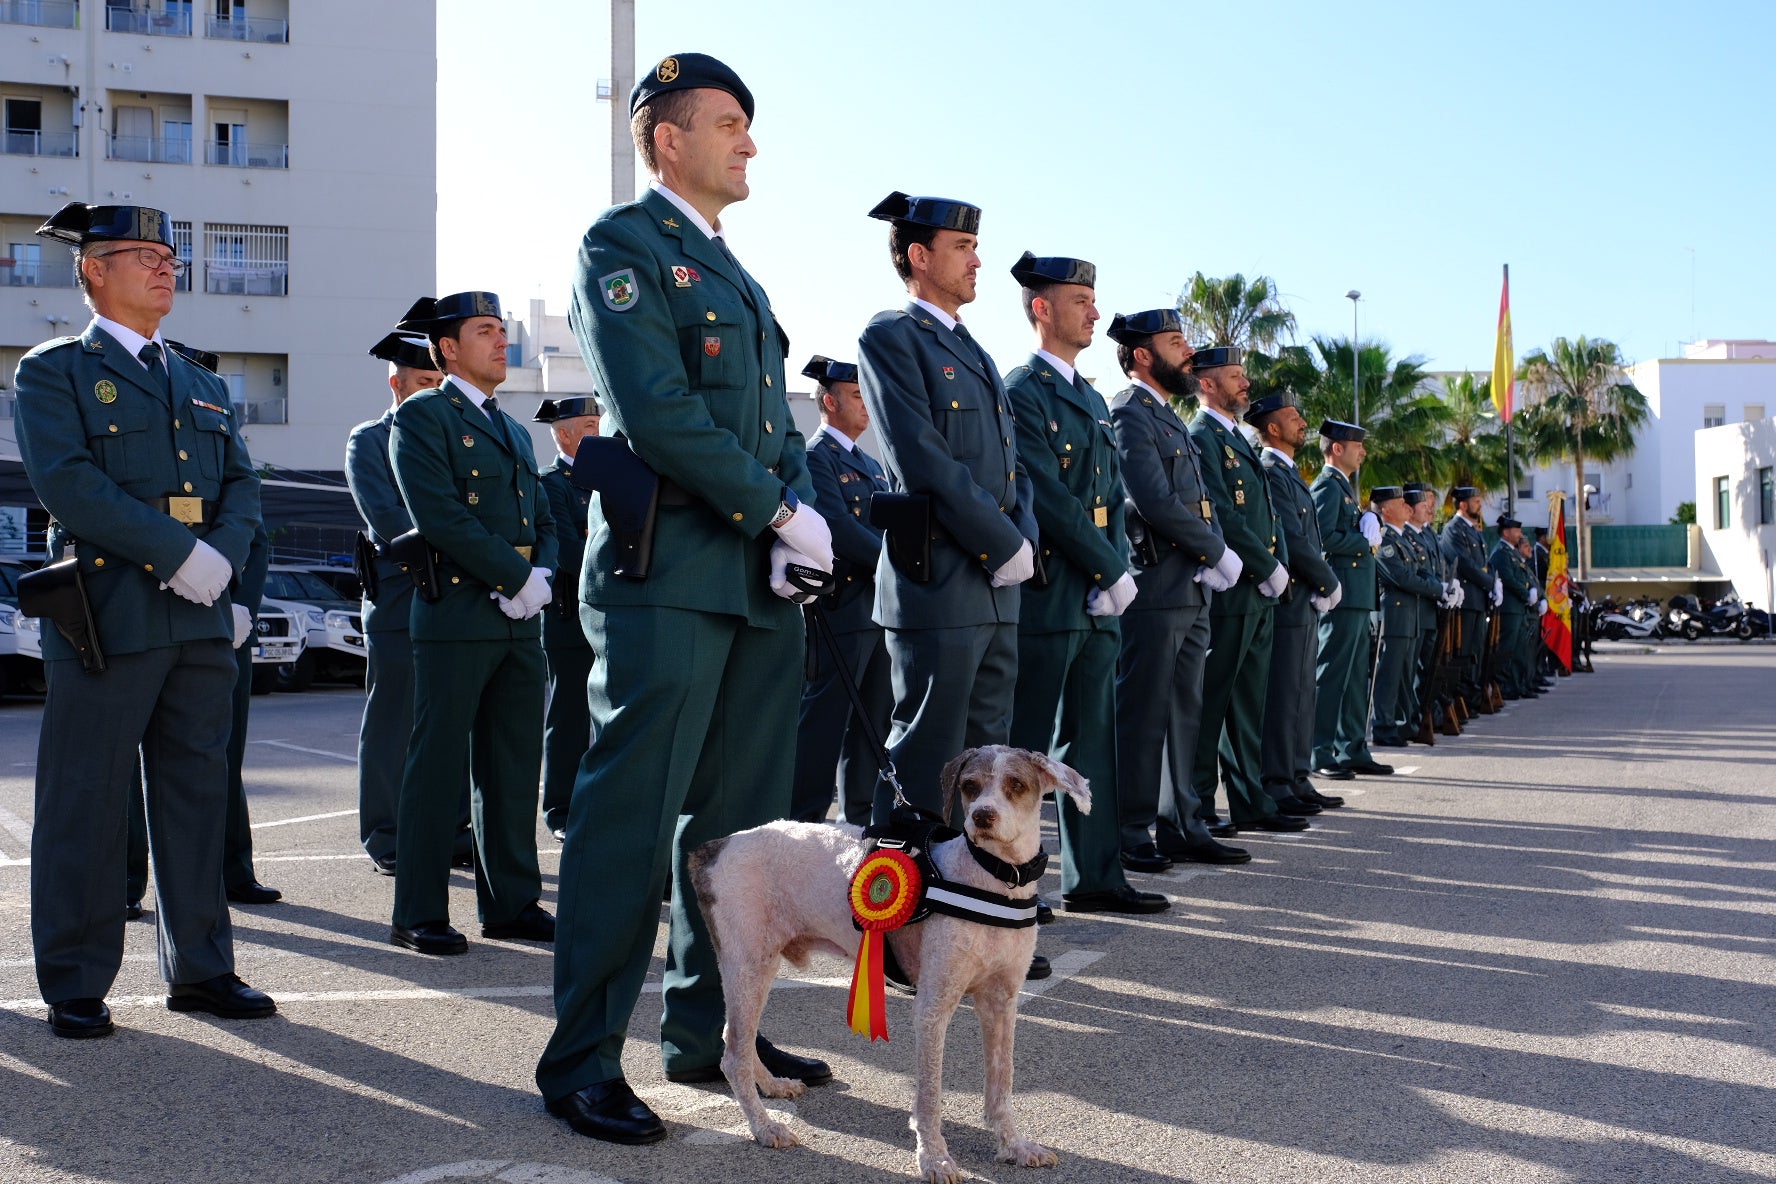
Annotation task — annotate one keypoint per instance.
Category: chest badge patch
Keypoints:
(105, 391)
(474, 499)
(712, 346)
(619, 291)
(684, 277)
(949, 372)
(468, 441)
(1053, 426)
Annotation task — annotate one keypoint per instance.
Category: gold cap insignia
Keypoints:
(667, 71)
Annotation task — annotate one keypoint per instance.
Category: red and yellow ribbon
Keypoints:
(884, 892)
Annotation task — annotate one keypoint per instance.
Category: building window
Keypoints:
(1754, 412)
(247, 260)
(1714, 414)
(1766, 496)
(256, 386)
(1527, 491)
(1723, 504)
(182, 248)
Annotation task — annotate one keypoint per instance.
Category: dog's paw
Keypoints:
(1026, 1153)
(781, 1087)
(939, 1169)
(775, 1135)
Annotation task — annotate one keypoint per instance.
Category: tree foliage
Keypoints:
(1233, 311)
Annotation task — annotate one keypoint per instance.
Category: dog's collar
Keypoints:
(1015, 874)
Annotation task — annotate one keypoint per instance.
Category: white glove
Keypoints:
(203, 575)
(1100, 602)
(1498, 591)
(782, 555)
(511, 608)
(1211, 579)
(1321, 604)
(1546, 607)
(535, 593)
(243, 625)
(1275, 582)
(1229, 566)
(1533, 596)
(1337, 597)
(1018, 568)
(807, 533)
(1461, 594)
(1370, 525)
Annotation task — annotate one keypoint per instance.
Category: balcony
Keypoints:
(152, 24)
(247, 156)
(262, 30)
(31, 273)
(263, 411)
(48, 14)
(238, 279)
(25, 142)
(151, 149)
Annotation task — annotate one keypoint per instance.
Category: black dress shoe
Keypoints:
(1325, 801)
(1335, 773)
(429, 937)
(1223, 830)
(80, 1019)
(225, 996)
(383, 865)
(1281, 823)
(1296, 807)
(253, 892)
(1044, 914)
(1039, 969)
(1209, 852)
(132, 911)
(1371, 768)
(777, 1063)
(1387, 742)
(609, 1111)
(531, 924)
(1145, 858)
(1115, 900)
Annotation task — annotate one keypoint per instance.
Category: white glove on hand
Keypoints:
(1461, 594)
(782, 555)
(1498, 591)
(1113, 602)
(535, 593)
(1275, 582)
(1370, 525)
(1229, 566)
(243, 625)
(1211, 578)
(807, 533)
(511, 608)
(1337, 597)
(1321, 604)
(1546, 607)
(1018, 568)
(203, 575)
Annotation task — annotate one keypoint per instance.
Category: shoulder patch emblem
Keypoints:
(1387, 549)
(619, 290)
(105, 391)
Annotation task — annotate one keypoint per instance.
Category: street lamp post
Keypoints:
(1356, 392)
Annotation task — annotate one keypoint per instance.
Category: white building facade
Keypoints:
(1735, 492)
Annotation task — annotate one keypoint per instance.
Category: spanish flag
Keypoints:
(1557, 633)
(1504, 370)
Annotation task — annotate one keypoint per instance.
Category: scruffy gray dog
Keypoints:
(782, 891)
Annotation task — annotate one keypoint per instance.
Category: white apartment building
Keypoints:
(294, 145)
(1735, 492)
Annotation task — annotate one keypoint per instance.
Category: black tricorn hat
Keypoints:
(1339, 431)
(1211, 356)
(78, 224)
(202, 357)
(1136, 327)
(1506, 522)
(404, 349)
(1386, 493)
(1418, 492)
(429, 316)
(1269, 403)
(1462, 493)
(550, 410)
(689, 71)
(941, 212)
(824, 370)
(1036, 271)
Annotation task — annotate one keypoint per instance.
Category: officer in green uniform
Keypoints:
(1236, 677)
(567, 716)
(1421, 501)
(133, 452)
(945, 422)
(1509, 568)
(1313, 591)
(1180, 560)
(832, 746)
(697, 677)
(1068, 639)
(1464, 549)
(1530, 640)
(1341, 675)
(1407, 588)
(467, 473)
(388, 679)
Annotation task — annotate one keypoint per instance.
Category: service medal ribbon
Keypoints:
(884, 892)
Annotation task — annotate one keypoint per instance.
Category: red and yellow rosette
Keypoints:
(884, 892)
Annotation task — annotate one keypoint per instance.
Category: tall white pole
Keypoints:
(622, 82)
(1356, 391)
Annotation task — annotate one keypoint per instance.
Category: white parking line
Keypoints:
(304, 818)
(338, 756)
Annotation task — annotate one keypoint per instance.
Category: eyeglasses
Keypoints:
(150, 258)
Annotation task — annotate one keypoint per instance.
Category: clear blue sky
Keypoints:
(1403, 149)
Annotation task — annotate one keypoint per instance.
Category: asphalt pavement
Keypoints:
(1541, 952)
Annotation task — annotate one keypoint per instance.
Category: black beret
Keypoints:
(689, 71)
(1269, 403)
(824, 370)
(1506, 522)
(203, 357)
(404, 350)
(1386, 493)
(941, 212)
(1136, 327)
(550, 410)
(1211, 357)
(1462, 493)
(1344, 433)
(431, 316)
(1417, 493)
(77, 224)
(1033, 271)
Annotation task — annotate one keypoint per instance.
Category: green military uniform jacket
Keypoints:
(371, 476)
(1309, 573)
(1514, 572)
(688, 357)
(1162, 474)
(93, 433)
(1347, 551)
(1234, 478)
(471, 485)
(1069, 456)
(568, 507)
(1464, 548)
(1403, 583)
(1428, 560)
(845, 479)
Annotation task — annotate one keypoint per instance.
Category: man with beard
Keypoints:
(1242, 621)
(1067, 625)
(1407, 590)
(1464, 548)
(1179, 560)
(1349, 536)
(1313, 591)
(1422, 501)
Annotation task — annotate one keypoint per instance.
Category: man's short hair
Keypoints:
(676, 107)
(453, 331)
(1031, 296)
(1125, 354)
(901, 237)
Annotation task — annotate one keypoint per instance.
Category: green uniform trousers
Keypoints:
(1065, 705)
(953, 690)
(383, 735)
(567, 727)
(1159, 694)
(1341, 707)
(1393, 685)
(696, 718)
(1289, 709)
(1472, 653)
(831, 748)
(477, 706)
(1236, 679)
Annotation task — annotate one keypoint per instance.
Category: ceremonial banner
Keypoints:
(1504, 369)
(1557, 632)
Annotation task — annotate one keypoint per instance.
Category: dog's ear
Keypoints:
(1061, 779)
(951, 777)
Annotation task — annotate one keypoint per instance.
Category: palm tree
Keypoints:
(1579, 405)
(1232, 311)
(1474, 453)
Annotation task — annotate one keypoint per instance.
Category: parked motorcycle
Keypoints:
(1684, 618)
(1636, 621)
